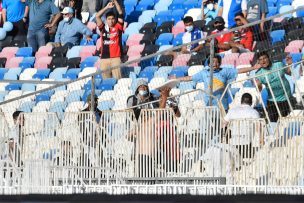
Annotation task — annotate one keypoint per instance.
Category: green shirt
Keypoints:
(275, 82)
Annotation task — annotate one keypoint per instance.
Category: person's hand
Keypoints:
(49, 25)
(24, 19)
(110, 5)
(164, 92)
(205, 2)
(257, 66)
(57, 44)
(288, 60)
(88, 38)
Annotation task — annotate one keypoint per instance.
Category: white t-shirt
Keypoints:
(192, 36)
(243, 133)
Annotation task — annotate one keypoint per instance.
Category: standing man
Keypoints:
(228, 8)
(16, 12)
(257, 10)
(111, 32)
(40, 13)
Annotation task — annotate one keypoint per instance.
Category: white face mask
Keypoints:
(66, 19)
(210, 6)
(143, 93)
(189, 28)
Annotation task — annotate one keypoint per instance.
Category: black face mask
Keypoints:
(220, 27)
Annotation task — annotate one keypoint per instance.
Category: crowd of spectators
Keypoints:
(37, 20)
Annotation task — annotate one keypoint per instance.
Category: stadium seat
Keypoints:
(59, 51)
(195, 13)
(134, 39)
(58, 62)
(135, 50)
(13, 62)
(181, 60)
(27, 74)
(87, 51)
(133, 28)
(272, 11)
(43, 62)
(277, 36)
(178, 40)
(284, 9)
(43, 51)
(11, 87)
(24, 52)
(195, 69)
(74, 52)
(164, 39)
(105, 105)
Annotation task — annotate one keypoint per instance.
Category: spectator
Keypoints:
(70, 30)
(192, 34)
(228, 8)
(257, 10)
(111, 32)
(222, 41)
(40, 12)
(221, 77)
(243, 111)
(89, 6)
(278, 85)
(152, 129)
(15, 135)
(77, 6)
(16, 12)
(88, 107)
(241, 39)
(243, 136)
(211, 7)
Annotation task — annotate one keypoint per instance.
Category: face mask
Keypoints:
(220, 27)
(210, 6)
(66, 19)
(189, 28)
(143, 93)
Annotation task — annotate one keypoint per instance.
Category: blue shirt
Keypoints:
(40, 13)
(14, 10)
(220, 79)
(230, 8)
(71, 31)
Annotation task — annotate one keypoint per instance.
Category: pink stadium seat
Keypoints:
(136, 49)
(297, 43)
(134, 39)
(87, 51)
(230, 59)
(43, 51)
(278, 20)
(43, 62)
(181, 60)
(13, 62)
(9, 52)
(92, 26)
(292, 49)
(245, 59)
(178, 28)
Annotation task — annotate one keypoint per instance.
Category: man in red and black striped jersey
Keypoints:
(111, 40)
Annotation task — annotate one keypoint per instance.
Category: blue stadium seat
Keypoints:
(130, 2)
(185, 86)
(143, 6)
(281, 3)
(28, 87)
(178, 40)
(72, 73)
(133, 28)
(74, 52)
(175, 6)
(189, 4)
(110, 81)
(164, 39)
(42, 97)
(3, 70)
(89, 62)
(104, 87)
(182, 68)
(10, 76)
(24, 52)
(74, 96)
(11, 87)
(177, 15)
(124, 39)
(284, 9)
(272, 11)
(147, 74)
(105, 105)
(300, 13)
(277, 36)
(144, 19)
(44, 72)
(156, 93)
(149, 13)
(162, 16)
(2, 95)
(16, 71)
(29, 60)
(128, 9)
(177, 73)
(85, 42)
(151, 68)
(27, 106)
(58, 74)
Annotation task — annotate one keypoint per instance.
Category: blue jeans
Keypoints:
(36, 39)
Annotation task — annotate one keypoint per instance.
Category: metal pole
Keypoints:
(93, 93)
(211, 70)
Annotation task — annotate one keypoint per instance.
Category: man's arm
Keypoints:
(199, 47)
(119, 10)
(248, 69)
(101, 12)
(262, 24)
(4, 15)
(54, 21)
(220, 11)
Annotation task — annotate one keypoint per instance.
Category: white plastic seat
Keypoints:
(195, 69)
(106, 95)
(42, 106)
(125, 82)
(75, 106)
(195, 13)
(156, 82)
(44, 86)
(27, 74)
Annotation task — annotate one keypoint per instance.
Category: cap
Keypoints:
(219, 19)
(67, 10)
(140, 83)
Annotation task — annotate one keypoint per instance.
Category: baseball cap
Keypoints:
(67, 10)
(219, 19)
